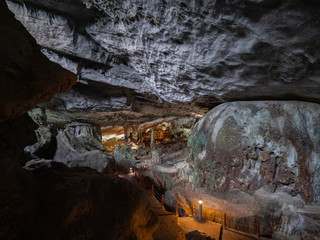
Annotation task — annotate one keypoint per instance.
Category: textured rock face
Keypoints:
(46, 144)
(88, 209)
(86, 130)
(264, 157)
(55, 202)
(27, 76)
(82, 150)
(179, 51)
(247, 145)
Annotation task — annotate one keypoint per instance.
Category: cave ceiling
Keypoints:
(141, 60)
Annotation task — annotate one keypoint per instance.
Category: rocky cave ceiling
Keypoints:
(141, 60)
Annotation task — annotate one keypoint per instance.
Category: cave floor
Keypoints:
(173, 227)
(168, 222)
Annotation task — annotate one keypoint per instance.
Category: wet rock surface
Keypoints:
(161, 53)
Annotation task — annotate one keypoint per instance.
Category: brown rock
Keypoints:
(27, 76)
(264, 156)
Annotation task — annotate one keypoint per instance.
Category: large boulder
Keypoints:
(269, 150)
(248, 145)
(46, 144)
(80, 151)
(79, 203)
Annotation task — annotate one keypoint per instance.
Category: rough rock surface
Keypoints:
(80, 151)
(207, 52)
(17, 204)
(95, 207)
(269, 149)
(56, 202)
(37, 163)
(247, 145)
(27, 76)
(83, 129)
(46, 144)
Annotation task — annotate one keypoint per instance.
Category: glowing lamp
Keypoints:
(200, 209)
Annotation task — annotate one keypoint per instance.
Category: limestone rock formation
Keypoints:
(27, 76)
(80, 151)
(149, 55)
(55, 202)
(247, 145)
(86, 130)
(46, 144)
(38, 163)
(269, 149)
(95, 207)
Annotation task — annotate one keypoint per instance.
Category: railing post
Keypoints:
(258, 228)
(225, 220)
(176, 206)
(162, 200)
(152, 191)
(192, 210)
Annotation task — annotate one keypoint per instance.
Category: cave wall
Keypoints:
(27, 76)
(53, 201)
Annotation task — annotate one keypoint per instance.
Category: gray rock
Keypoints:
(84, 129)
(37, 163)
(205, 52)
(46, 144)
(73, 151)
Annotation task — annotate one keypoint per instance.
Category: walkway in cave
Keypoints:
(168, 222)
(173, 227)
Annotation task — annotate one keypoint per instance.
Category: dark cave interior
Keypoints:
(129, 119)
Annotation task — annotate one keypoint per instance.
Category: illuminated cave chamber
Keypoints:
(169, 134)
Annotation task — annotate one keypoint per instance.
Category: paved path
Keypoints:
(172, 227)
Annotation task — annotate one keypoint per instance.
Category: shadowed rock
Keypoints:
(27, 76)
